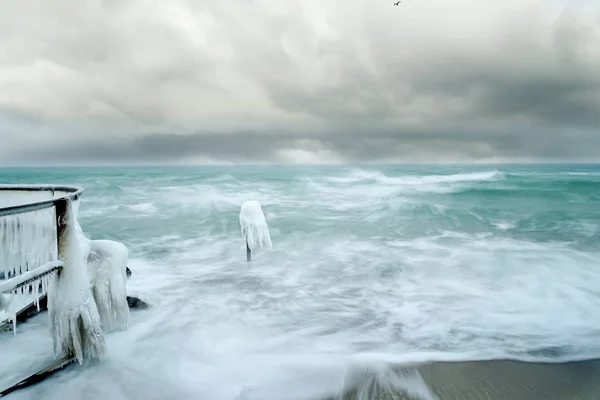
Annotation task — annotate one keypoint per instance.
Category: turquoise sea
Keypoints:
(373, 269)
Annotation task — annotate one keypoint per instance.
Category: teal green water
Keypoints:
(386, 263)
(540, 203)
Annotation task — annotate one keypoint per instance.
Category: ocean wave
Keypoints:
(218, 197)
(143, 208)
(448, 378)
(380, 283)
(589, 173)
(360, 175)
(385, 382)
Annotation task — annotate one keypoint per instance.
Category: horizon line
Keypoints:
(280, 164)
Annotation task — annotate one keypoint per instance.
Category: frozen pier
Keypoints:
(46, 261)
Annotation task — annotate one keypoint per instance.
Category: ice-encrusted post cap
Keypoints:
(254, 227)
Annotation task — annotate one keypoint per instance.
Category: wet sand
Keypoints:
(513, 380)
(500, 380)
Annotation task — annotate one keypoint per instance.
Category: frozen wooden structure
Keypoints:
(32, 219)
(46, 259)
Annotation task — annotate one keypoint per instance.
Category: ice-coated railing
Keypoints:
(43, 252)
(29, 242)
(37, 197)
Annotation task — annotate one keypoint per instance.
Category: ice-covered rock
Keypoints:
(135, 302)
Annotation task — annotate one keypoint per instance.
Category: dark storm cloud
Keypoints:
(299, 82)
(353, 144)
(559, 84)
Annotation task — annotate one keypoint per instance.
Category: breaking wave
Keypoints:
(359, 175)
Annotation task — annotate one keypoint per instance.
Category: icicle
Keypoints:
(3, 303)
(45, 282)
(27, 240)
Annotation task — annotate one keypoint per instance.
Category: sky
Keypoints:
(298, 81)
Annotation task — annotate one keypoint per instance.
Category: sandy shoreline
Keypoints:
(504, 380)
(497, 380)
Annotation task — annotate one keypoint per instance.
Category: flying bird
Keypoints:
(396, 3)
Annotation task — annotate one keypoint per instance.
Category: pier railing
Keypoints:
(18, 200)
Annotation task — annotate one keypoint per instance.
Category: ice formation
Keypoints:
(107, 264)
(3, 302)
(74, 320)
(27, 241)
(254, 226)
(86, 299)
(83, 241)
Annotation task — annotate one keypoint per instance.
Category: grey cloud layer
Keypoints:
(299, 82)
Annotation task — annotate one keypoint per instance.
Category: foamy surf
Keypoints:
(383, 282)
(360, 175)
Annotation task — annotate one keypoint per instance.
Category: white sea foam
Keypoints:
(143, 208)
(586, 174)
(358, 176)
(367, 272)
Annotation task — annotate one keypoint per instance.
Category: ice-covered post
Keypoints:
(254, 227)
(61, 220)
(74, 320)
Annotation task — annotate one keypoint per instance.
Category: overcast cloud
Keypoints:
(302, 81)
